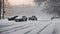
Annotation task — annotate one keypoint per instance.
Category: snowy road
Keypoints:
(29, 27)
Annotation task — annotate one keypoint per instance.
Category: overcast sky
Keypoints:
(19, 2)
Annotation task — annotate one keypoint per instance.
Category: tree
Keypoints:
(38, 2)
(52, 6)
(0, 7)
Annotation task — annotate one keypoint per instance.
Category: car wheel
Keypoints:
(17, 20)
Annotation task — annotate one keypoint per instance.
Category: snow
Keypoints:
(44, 24)
(29, 27)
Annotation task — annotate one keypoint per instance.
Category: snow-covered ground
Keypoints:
(30, 27)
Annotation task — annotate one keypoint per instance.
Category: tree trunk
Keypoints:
(0, 7)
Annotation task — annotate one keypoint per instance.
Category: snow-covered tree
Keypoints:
(52, 6)
(6, 3)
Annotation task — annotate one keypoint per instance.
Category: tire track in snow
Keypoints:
(36, 26)
(21, 28)
(35, 31)
(28, 32)
(29, 29)
(7, 25)
(14, 29)
(44, 28)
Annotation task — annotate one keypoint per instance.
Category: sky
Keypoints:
(20, 2)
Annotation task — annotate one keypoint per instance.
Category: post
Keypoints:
(3, 10)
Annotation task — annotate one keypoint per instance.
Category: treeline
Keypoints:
(52, 6)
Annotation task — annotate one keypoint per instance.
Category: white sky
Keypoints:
(19, 2)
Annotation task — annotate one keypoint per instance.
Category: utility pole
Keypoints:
(0, 7)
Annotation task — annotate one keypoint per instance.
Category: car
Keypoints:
(54, 18)
(12, 18)
(24, 18)
(33, 18)
(21, 19)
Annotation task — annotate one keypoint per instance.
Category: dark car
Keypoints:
(33, 18)
(12, 18)
(54, 18)
(21, 19)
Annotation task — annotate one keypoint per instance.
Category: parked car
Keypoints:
(12, 18)
(33, 18)
(20, 19)
(54, 18)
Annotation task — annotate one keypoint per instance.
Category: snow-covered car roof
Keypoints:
(19, 17)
